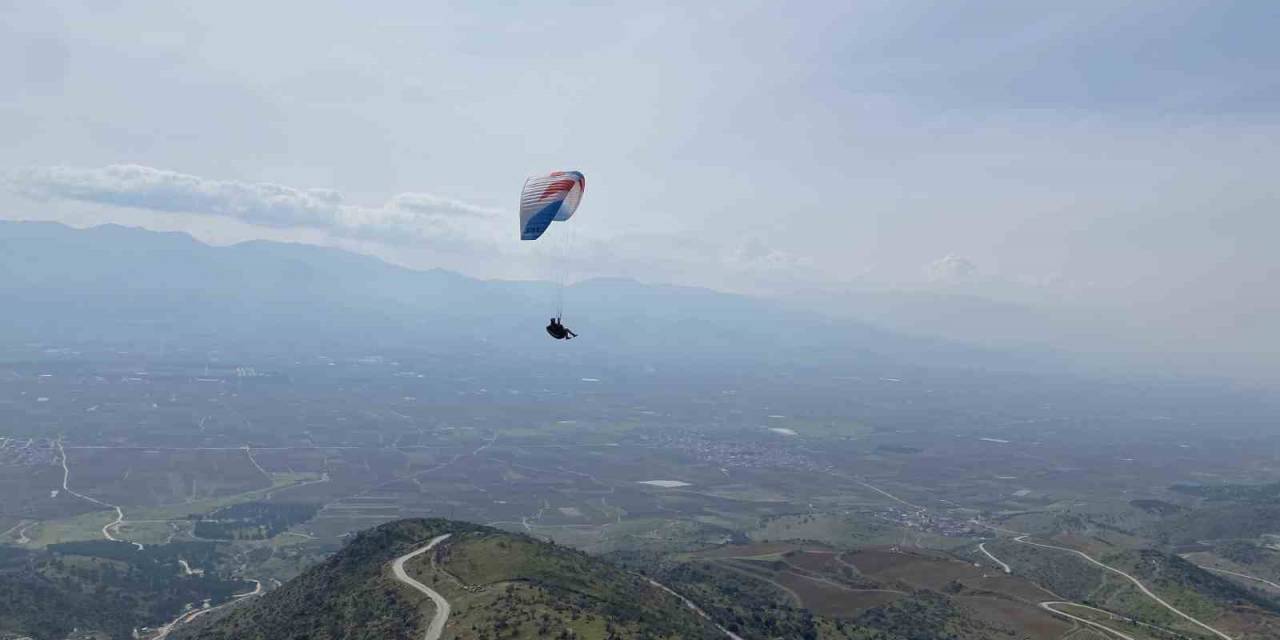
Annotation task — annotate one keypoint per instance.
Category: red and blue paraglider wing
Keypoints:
(549, 198)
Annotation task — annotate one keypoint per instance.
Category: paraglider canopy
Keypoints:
(548, 198)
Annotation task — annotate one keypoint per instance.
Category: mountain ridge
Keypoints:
(167, 290)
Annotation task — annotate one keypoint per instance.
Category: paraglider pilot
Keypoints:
(559, 331)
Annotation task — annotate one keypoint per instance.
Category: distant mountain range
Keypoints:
(144, 290)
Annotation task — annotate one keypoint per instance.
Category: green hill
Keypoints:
(1217, 522)
(500, 585)
(109, 588)
(1175, 577)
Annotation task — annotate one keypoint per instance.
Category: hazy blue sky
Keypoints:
(1117, 157)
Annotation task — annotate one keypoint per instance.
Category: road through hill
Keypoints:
(1141, 587)
(436, 628)
(982, 546)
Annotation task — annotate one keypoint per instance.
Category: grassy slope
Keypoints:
(499, 584)
(1199, 593)
(545, 590)
(349, 595)
(748, 597)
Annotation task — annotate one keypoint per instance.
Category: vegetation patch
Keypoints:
(1250, 493)
(107, 587)
(566, 576)
(1157, 507)
(253, 520)
(899, 448)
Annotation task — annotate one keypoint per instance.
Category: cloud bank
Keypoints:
(408, 217)
(408, 222)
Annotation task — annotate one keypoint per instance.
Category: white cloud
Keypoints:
(137, 186)
(756, 254)
(407, 217)
(950, 268)
(432, 204)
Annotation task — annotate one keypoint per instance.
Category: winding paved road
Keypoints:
(110, 526)
(1048, 606)
(689, 603)
(982, 546)
(1141, 587)
(192, 614)
(442, 606)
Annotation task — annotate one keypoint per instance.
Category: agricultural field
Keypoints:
(843, 511)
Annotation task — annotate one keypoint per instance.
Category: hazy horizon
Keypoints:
(1105, 167)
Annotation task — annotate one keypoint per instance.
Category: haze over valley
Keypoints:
(838, 486)
(876, 320)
